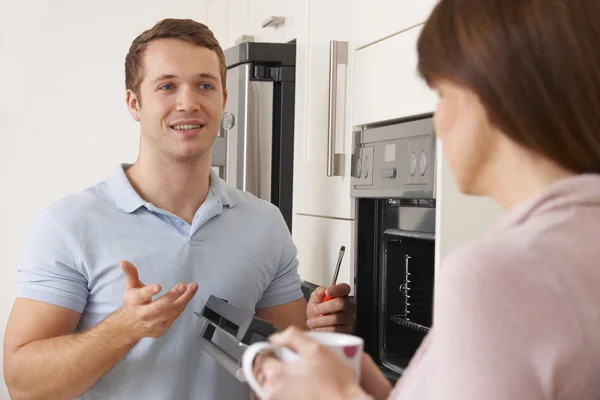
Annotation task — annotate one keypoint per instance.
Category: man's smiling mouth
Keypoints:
(187, 127)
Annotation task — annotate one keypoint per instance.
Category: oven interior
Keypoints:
(407, 268)
(394, 279)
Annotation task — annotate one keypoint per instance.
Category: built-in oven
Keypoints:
(394, 186)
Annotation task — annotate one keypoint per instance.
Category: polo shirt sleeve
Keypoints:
(285, 286)
(48, 269)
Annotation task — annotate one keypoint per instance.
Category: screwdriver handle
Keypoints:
(327, 298)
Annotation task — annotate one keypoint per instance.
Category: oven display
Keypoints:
(389, 153)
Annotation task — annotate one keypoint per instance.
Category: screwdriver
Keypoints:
(337, 271)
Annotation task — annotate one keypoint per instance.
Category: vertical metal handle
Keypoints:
(338, 55)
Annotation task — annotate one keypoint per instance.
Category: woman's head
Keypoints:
(526, 70)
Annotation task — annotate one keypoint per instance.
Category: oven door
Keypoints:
(406, 295)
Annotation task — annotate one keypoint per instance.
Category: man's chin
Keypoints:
(193, 157)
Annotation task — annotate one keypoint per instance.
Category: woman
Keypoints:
(517, 312)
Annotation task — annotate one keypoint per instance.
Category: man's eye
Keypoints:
(166, 86)
(205, 86)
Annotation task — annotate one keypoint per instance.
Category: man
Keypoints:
(84, 323)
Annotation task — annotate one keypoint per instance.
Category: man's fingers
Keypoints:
(185, 298)
(339, 304)
(339, 290)
(145, 294)
(330, 329)
(132, 279)
(341, 318)
(164, 304)
(317, 295)
(174, 301)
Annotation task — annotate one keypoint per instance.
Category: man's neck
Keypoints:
(177, 187)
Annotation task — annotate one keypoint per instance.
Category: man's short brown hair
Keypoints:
(183, 29)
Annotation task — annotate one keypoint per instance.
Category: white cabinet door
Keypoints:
(459, 218)
(216, 20)
(318, 241)
(316, 193)
(260, 11)
(386, 83)
(228, 19)
(382, 18)
(237, 20)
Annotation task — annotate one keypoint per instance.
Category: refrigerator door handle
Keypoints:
(338, 55)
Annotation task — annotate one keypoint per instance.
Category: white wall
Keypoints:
(63, 120)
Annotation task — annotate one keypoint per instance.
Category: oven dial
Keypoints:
(366, 167)
(423, 163)
(413, 164)
(358, 167)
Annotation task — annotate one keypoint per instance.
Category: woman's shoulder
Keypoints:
(498, 298)
(505, 255)
(492, 271)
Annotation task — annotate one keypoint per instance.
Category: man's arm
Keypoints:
(282, 316)
(280, 304)
(43, 359)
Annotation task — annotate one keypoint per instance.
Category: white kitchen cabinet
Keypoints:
(231, 19)
(259, 11)
(318, 241)
(459, 218)
(382, 18)
(386, 83)
(237, 20)
(216, 19)
(316, 193)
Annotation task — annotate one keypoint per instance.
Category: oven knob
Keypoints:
(358, 167)
(366, 166)
(423, 163)
(413, 164)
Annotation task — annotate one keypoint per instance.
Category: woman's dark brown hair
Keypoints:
(534, 64)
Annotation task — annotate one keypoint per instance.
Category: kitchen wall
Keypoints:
(63, 120)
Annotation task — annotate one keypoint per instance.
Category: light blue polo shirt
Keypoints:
(238, 248)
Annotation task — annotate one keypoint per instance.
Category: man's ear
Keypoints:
(224, 99)
(133, 104)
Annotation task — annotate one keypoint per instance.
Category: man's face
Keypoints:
(181, 100)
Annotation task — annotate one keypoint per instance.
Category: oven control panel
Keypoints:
(396, 160)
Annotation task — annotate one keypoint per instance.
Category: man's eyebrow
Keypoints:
(164, 76)
(171, 76)
(208, 75)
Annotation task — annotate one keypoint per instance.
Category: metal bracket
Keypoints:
(244, 39)
(273, 22)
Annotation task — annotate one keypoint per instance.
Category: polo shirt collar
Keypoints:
(221, 190)
(125, 196)
(128, 200)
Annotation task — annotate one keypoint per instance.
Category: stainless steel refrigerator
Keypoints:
(255, 148)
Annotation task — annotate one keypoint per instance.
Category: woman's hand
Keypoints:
(319, 374)
(372, 379)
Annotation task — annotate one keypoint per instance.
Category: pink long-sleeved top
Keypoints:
(517, 312)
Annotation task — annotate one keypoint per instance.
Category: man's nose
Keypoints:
(187, 100)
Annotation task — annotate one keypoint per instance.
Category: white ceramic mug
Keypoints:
(349, 348)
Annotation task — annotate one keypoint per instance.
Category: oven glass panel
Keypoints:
(406, 296)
